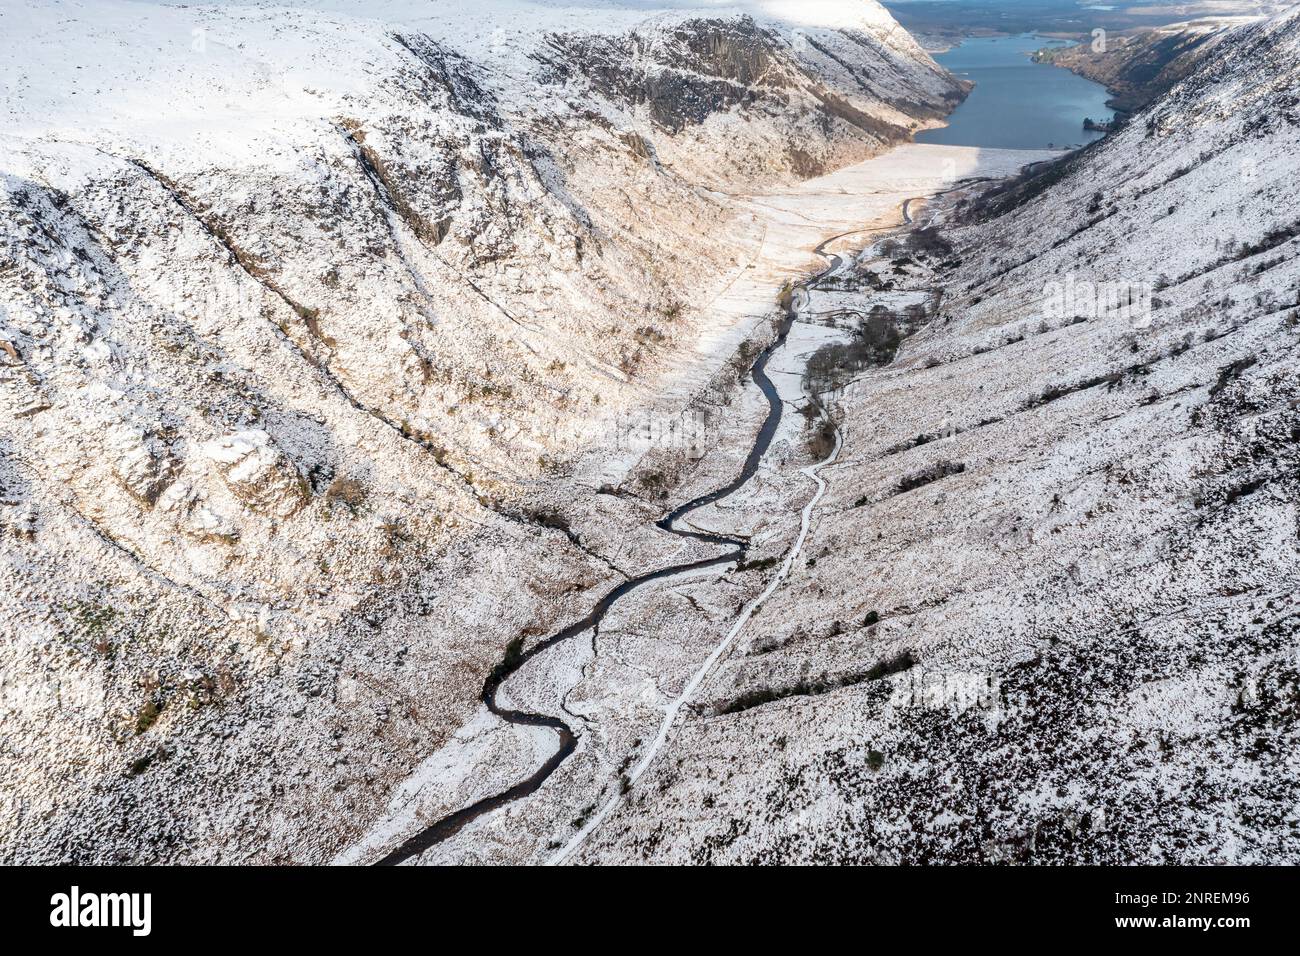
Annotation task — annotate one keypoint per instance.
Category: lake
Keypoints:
(1016, 103)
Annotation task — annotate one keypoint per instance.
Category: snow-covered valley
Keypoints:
(353, 353)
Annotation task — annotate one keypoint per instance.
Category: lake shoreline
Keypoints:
(1010, 107)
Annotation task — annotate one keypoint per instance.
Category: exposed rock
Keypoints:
(1138, 67)
(143, 463)
(258, 472)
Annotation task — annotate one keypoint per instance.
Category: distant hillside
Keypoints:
(1138, 67)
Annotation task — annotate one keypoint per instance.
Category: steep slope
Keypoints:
(1140, 66)
(307, 311)
(1049, 611)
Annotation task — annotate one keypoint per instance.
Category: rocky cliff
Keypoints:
(1139, 66)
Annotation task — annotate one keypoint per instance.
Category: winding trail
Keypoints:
(792, 554)
(516, 656)
(960, 185)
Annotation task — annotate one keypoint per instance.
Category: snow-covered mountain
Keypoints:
(324, 326)
(1049, 611)
(306, 311)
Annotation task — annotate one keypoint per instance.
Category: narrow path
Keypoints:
(516, 657)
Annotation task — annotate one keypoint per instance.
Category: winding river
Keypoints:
(516, 657)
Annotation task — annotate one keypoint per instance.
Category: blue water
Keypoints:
(1016, 103)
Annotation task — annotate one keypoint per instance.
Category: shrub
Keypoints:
(147, 715)
(822, 440)
(1230, 373)
(141, 765)
(833, 365)
(347, 491)
(929, 242)
(934, 473)
(894, 665)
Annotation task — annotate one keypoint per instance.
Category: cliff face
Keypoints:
(296, 301)
(1048, 613)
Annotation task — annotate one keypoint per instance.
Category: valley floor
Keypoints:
(616, 682)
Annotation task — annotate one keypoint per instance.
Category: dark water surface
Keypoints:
(1016, 103)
